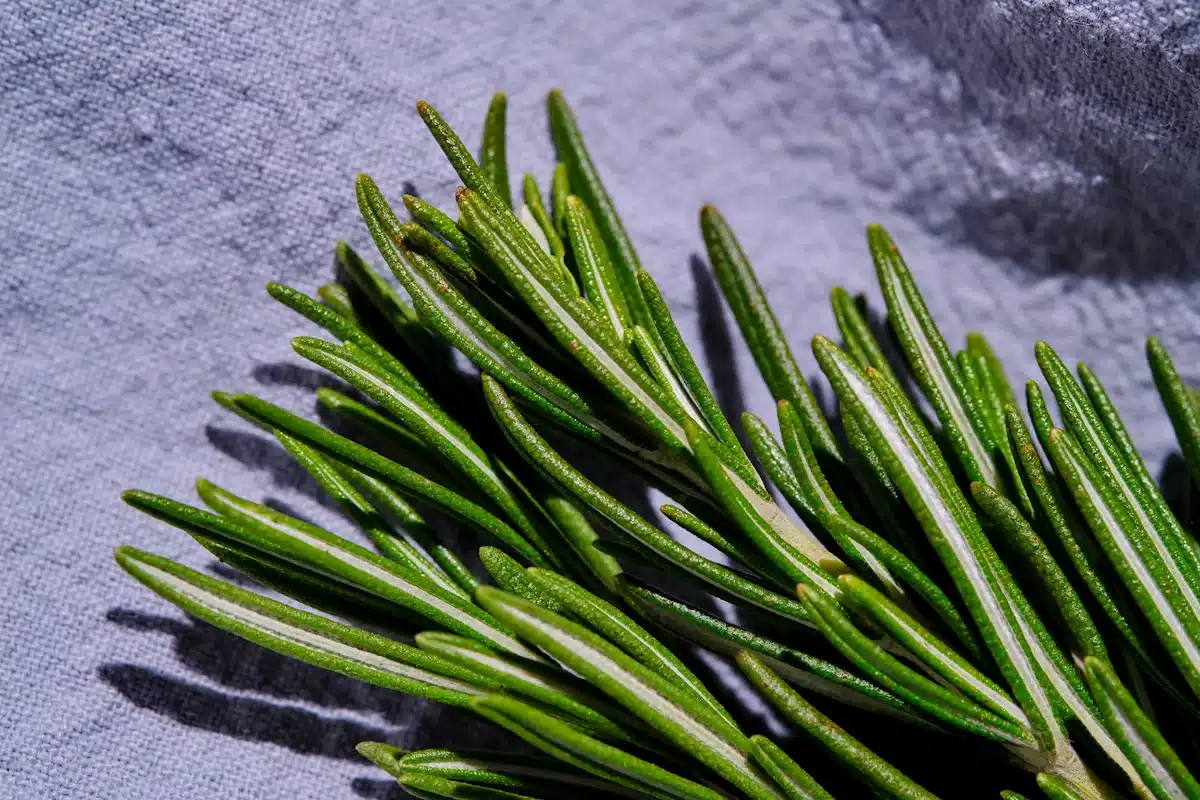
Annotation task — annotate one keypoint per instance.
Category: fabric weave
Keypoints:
(160, 161)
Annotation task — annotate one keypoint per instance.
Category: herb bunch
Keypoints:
(939, 576)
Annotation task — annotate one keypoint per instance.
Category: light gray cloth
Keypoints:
(160, 161)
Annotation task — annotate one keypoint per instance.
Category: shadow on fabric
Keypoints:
(1093, 168)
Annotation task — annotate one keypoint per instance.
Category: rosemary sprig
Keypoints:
(942, 574)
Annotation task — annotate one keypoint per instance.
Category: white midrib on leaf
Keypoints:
(964, 555)
(300, 637)
(450, 766)
(1146, 756)
(1160, 547)
(962, 420)
(649, 696)
(347, 557)
(799, 538)
(1065, 755)
(1000, 702)
(1142, 573)
(429, 419)
(585, 341)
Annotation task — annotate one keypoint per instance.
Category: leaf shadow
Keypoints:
(241, 668)
(716, 339)
(371, 789)
(285, 373)
(1175, 481)
(260, 452)
(1105, 121)
(242, 718)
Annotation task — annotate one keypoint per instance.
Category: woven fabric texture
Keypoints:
(160, 161)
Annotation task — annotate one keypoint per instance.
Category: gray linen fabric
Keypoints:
(160, 161)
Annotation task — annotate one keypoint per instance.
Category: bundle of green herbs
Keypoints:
(1002, 588)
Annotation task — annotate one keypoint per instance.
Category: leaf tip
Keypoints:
(135, 497)
(123, 554)
(223, 399)
(381, 754)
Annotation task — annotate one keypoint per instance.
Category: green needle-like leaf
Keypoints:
(372, 424)
(448, 312)
(586, 184)
(1188, 558)
(878, 665)
(417, 238)
(313, 589)
(884, 499)
(860, 341)
(554, 243)
(337, 298)
(355, 506)
(1042, 567)
(639, 341)
(414, 531)
(301, 635)
(537, 775)
(1154, 527)
(560, 191)
(581, 536)
(493, 154)
(356, 456)
(738, 551)
(391, 306)
(774, 460)
(1148, 579)
(1061, 518)
(1140, 740)
(345, 330)
(677, 715)
(921, 474)
(868, 767)
(767, 343)
(901, 566)
(460, 158)
(952, 668)
(433, 787)
(994, 395)
(615, 626)
(685, 367)
(551, 687)
(787, 774)
(305, 545)
(929, 358)
(1056, 788)
(620, 517)
(573, 322)
(799, 669)
(509, 574)
(434, 427)
(816, 489)
(600, 284)
(1185, 417)
(797, 564)
(578, 749)
(435, 220)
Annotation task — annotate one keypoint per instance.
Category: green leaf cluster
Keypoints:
(948, 563)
